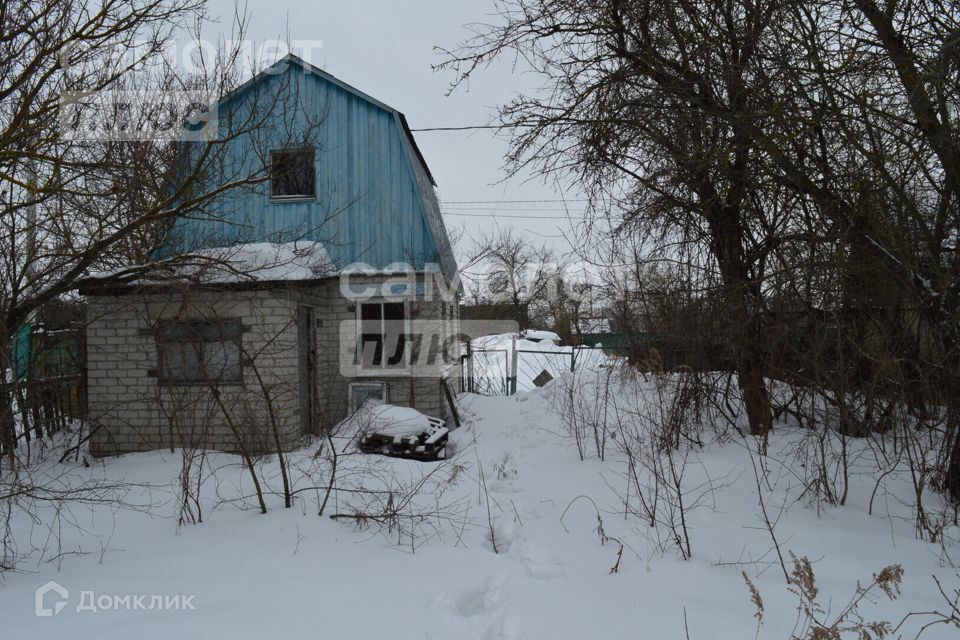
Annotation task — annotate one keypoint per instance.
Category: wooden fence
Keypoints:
(47, 390)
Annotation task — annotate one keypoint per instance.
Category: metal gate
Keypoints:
(504, 371)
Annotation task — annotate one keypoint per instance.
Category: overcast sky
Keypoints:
(386, 48)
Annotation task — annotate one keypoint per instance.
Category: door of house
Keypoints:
(307, 358)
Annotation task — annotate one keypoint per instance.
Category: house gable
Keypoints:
(375, 201)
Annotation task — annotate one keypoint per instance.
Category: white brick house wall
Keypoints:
(133, 410)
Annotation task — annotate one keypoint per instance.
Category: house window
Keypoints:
(293, 174)
(361, 392)
(200, 351)
(383, 341)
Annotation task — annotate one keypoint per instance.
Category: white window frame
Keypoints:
(383, 369)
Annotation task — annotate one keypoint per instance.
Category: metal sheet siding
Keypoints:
(370, 207)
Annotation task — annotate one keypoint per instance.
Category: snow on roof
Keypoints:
(364, 269)
(267, 261)
(537, 336)
(529, 339)
(254, 262)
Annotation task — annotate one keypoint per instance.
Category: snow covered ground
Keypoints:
(546, 571)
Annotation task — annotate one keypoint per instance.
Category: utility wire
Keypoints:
(497, 215)
(472, 127)
(495, 209)
(513, 201)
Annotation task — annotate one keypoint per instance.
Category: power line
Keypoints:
(511, 201)
(497, 215)
(471, 127)
(511, 209)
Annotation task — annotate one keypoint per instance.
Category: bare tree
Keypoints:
(514, 270)
(801, 155)
(643, 104)
(98, 201)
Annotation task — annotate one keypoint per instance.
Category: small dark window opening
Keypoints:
(200, 351)
(382, 335)
(293, 174)
(361, 392)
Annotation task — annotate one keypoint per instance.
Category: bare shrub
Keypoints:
(587, 406)
(815, 621)
(41, 501)
(409, 510)
(658, 430)
(949, 616)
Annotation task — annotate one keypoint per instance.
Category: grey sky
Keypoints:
(385, 48)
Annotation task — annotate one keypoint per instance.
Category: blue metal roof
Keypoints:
(375, 199)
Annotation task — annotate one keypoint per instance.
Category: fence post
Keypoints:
(469, 367)
(513, 368)
(573, 359)
(470, 357)
(506, 372)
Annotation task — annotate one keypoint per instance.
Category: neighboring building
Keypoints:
(293, 323)
(591, 332)
(497, 311)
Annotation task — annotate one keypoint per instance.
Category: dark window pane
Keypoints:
(395, 344)
(370, 319)
(394, 338)
(227, 329)
(361, 393)
(181, 360)
(393, 311)
(221, 361)
(179, 332)
(382, 335)
(371, 350)
(293, 173)
(371, 311)
(200, 351)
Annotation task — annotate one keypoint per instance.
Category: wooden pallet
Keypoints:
(428, 446)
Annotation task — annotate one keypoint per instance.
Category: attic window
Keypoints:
(293, 174)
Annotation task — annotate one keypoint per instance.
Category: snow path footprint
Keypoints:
(536, 559)
(478, 613)
(483, 612)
